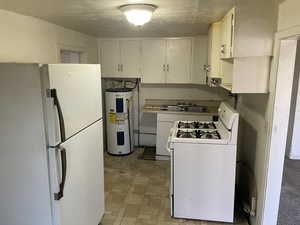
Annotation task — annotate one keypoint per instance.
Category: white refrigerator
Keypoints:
(51, 144)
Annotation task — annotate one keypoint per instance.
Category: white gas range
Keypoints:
(203, 163)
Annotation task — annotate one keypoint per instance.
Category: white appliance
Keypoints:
(203, 164)
(119, 121)
(51, 147)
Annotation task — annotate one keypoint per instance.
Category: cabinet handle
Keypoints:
(168, 68)
(223, 49)
(164, 68)
(206, 68)
(118, 67)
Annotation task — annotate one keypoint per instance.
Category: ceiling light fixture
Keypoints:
(138, 14)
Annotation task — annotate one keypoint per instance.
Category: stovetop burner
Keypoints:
(196, 125)
(185, 134)
(198, 134)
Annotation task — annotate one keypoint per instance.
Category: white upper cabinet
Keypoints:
(199, 53)
(246, 51)
(109, 53)
(130, 58)
(178, 68)
(214, 44)
(167, 60)
(153, 61)
(120, 58)
(227, 35)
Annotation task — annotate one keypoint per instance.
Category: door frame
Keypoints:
(281, 82)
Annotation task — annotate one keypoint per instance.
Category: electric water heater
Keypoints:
(119, 121)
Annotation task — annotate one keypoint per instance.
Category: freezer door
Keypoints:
(78, 88)
(83, 195)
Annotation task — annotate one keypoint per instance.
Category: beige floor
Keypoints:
(137, 192)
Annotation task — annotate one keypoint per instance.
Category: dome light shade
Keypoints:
(138, 14)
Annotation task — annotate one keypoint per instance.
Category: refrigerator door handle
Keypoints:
(60, 115)
(63, 156)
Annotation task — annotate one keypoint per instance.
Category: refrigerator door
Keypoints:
(78, 88)
(24, 180)
(82, 202)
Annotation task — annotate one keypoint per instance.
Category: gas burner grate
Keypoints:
(198, 134)
(196, 125)
(211, 135)
(185, 134)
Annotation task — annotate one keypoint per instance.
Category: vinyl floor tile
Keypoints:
(137, 193)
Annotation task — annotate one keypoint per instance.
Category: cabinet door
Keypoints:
(231, 22)
(130, 58)
(214, 43)
(227, 35)
(223, 38)
(179, 54)
(163, 132)
(226, 70)
(110, 58)
(199, 60)
(153, 61)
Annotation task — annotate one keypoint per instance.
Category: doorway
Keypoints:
(289, 205)
(285, 79)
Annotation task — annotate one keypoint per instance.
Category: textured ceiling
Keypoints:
(102, 18)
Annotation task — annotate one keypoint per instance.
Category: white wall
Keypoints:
(27, 39)
(289, 15)
(192, 92)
